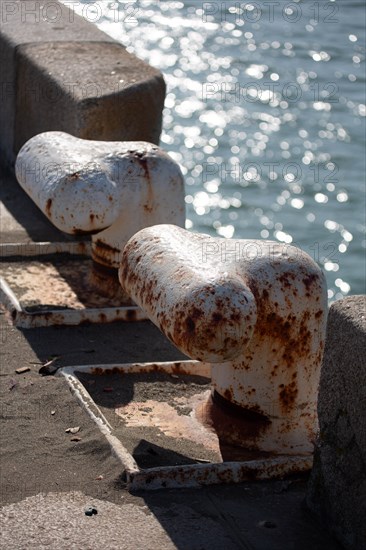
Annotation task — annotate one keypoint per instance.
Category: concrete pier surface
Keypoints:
(47, 480)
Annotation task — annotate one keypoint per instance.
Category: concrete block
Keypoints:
(59, 72)
(27, 22)
(92, 90)
(337, 487)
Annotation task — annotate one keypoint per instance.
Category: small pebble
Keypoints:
(75, 438)
(22, 369)
(12, 384)
(48, 370)
(267, 524)
(73, 430)
(90, 511)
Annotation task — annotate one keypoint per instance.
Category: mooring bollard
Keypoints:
(256, 310)
(110, 190)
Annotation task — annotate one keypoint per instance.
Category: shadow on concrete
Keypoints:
(250, 516)
(150, 455)
(94, 344)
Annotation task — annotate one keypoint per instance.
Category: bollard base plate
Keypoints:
(151, 414)
(44, 284)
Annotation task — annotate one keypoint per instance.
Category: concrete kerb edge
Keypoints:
(331, 499)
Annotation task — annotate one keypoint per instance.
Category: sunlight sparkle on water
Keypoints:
(273, 111)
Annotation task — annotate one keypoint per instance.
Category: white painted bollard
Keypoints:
(108, 189)
(256, 310)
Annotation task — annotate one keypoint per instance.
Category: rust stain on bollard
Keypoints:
(103, 253)
(258, 318)
(184, 318)
(48, 207)
(233, 424)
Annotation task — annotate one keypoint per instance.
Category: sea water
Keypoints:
(265, 112)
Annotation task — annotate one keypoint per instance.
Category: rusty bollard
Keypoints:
(256, 310)
(110, 190)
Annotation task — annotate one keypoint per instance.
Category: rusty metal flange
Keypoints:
(181, 476)
(22, 317)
